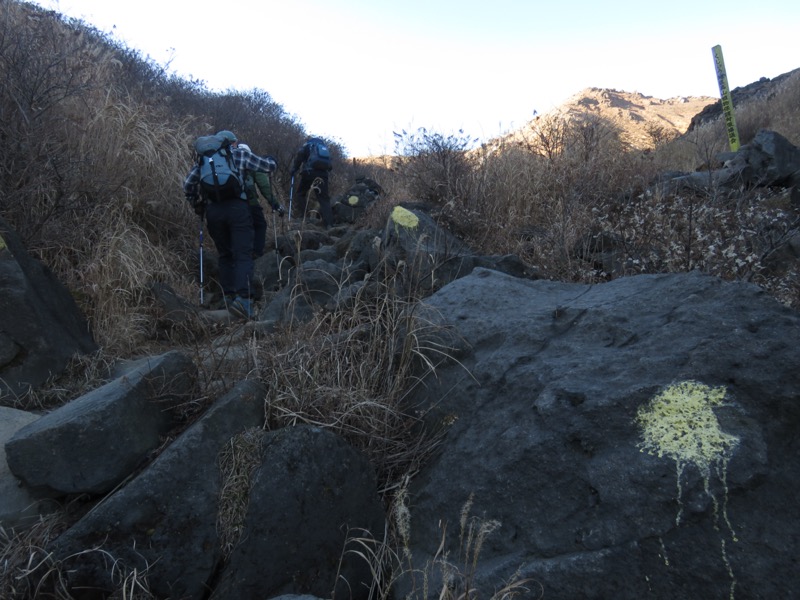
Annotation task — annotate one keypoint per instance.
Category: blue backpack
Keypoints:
(219, 178)
(319, 157)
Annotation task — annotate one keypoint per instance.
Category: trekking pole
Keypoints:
(275, 233)
(277, 254)
(291, 193)
(201, 261)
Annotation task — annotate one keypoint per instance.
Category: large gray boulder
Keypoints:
(164, 522)
(634, 439)
(311, 497)
(94, 442)
(415, 243)
(768, 160)
(350, 206)
(41, 327)
(412, 252)
(19, 506)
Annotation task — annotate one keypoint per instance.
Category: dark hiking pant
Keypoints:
(259, 230)
(230, 225)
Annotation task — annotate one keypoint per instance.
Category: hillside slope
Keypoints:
(643, 120)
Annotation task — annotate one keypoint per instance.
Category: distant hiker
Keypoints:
(255, 182)
(313, 161)
(215, 189)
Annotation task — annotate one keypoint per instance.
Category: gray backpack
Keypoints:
(219, 178)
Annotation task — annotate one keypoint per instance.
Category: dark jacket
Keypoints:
(300, 160)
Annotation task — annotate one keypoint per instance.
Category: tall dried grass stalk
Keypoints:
(237, 462)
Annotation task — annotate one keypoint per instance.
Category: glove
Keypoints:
(197, 204)
(278, 209)
(274, 162)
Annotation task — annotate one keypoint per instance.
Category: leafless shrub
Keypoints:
(435, 165)
(538, 190)
(659, 134)
(350, 371)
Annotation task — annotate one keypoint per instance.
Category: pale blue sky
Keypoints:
(356, 70)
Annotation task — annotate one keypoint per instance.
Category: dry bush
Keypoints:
(48, 76)
(29, 571)
(351, 370)
(27, 568)
(779, 111)
(734, 236)
(538, 194)
(94, 189)
(694, 151)
(698, 148)
(81, 375)
(445, 576)
(435, 166)
(552, 192)
(116, 278)
(237, 462)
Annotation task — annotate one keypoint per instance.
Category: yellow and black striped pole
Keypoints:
(727, 101)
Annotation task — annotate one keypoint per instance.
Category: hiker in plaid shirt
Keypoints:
(230, 225)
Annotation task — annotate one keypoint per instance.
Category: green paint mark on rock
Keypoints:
(404, 218)
(352, 200)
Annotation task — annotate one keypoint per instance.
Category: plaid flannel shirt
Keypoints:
(243, 160)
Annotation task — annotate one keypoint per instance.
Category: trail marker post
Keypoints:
(727, 101)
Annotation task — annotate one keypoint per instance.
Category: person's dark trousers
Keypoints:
(230, 225)
(323, 197)
(259, 229)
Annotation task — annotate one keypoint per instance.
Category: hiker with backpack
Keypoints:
(215, 189)
(313, 161)
(255, 182)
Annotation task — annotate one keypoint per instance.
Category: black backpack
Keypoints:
(319, 157)
(219, 178)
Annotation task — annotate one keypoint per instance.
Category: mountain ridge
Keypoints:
(643, 121)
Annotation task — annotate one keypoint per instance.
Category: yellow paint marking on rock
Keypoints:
(680, 423)
(404, 218)
(352, 200)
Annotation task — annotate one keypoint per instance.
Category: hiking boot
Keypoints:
(241, 307)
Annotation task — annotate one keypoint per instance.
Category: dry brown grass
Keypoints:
(28, 571)
(237, 462)
(82, 374)
(450, 573)
(351, 370)
(538, 196)
(26, 566)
